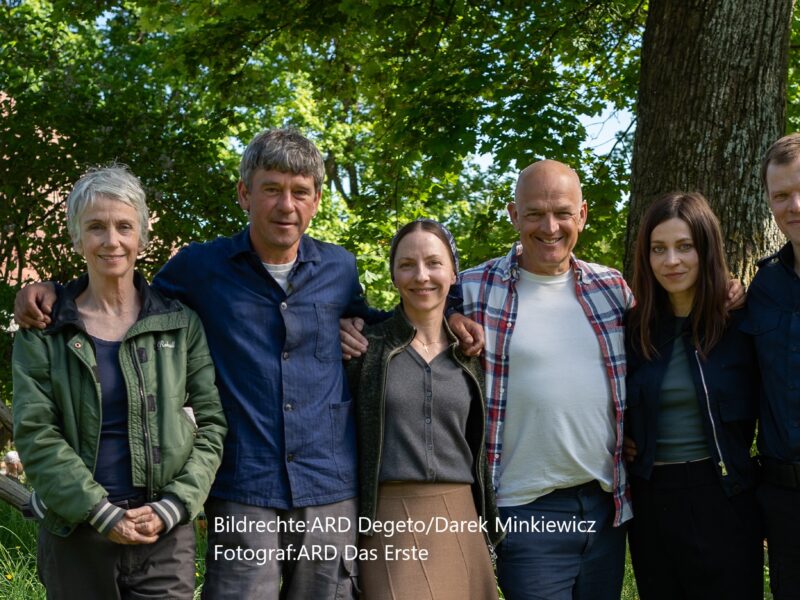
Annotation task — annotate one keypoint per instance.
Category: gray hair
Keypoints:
(115, 182)
(285, 150)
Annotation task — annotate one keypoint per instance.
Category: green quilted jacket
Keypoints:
(57, 412)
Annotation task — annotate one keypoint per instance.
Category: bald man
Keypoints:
(555, 369)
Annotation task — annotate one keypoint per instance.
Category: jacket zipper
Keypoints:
(148, 461)
(99, 397)
(721, 462)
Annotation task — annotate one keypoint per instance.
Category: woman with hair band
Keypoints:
(692, 398)
(420, 418)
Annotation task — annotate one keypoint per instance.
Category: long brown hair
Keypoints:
(709, 314)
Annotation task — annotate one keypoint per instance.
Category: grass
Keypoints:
(18, 579)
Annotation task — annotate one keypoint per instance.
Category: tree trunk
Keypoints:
(6, 420)
(712, 99)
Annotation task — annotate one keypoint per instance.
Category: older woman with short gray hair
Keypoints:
(118, 466)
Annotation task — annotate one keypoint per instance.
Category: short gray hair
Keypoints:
(115, 182)
(285, 150)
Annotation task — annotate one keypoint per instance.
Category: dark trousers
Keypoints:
(89, 566)
(583, 561)
(781, 511)
(314, 560)
(689, 540)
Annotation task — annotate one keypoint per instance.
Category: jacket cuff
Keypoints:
(171, 510)
(104, 516)
(37, 505)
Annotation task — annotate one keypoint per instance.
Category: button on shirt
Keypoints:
(426, 412)
(773, 318)
(291, 436)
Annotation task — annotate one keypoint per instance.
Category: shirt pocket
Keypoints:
(328, 347)
(343, 438)
(760, 322)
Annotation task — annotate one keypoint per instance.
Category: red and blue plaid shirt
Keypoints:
(490, 299)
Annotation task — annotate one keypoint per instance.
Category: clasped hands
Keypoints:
(139, 526)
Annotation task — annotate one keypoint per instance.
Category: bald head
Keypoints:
(546, 175)
(549, 213)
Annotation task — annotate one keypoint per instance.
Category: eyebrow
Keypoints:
(683, 239)
(426, 257)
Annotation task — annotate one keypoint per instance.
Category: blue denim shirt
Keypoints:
(773, 318)
(291, 436)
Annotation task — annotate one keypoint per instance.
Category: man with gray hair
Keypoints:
(283, 505)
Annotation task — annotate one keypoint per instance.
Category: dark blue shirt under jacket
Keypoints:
(773, 318)
(291, 430)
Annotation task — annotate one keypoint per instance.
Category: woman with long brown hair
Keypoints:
(692, 397)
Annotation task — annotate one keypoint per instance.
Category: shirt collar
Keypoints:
(510, 268)
(786, 256)
(242, 244)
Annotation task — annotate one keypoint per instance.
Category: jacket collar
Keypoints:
(242, 244)
(400, 332)
(65, 311)
(786, 256)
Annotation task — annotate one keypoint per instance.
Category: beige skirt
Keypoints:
(431, 555)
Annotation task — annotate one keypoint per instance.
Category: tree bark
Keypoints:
(712, 99)
(6, 420)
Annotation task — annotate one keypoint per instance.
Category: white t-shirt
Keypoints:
(559, 422)
(280, 273)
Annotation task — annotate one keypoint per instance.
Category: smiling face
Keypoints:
(675, 263)
(281, 206)
(109, 238)
(783, 194)
(549, 213)
(423, 273)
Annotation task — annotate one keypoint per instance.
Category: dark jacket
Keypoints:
(58, 411)
(773, 318)
(367, 378)
(726, 383)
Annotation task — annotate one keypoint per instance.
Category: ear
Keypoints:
(244, 200)
(317, 199)
(512, 213)
(582, 214)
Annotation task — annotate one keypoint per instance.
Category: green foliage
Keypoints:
(793, 93)
(78, 92)
(400, 95)
(18, 579)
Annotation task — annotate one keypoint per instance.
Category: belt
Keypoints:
(784, 474)
(691, 473)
